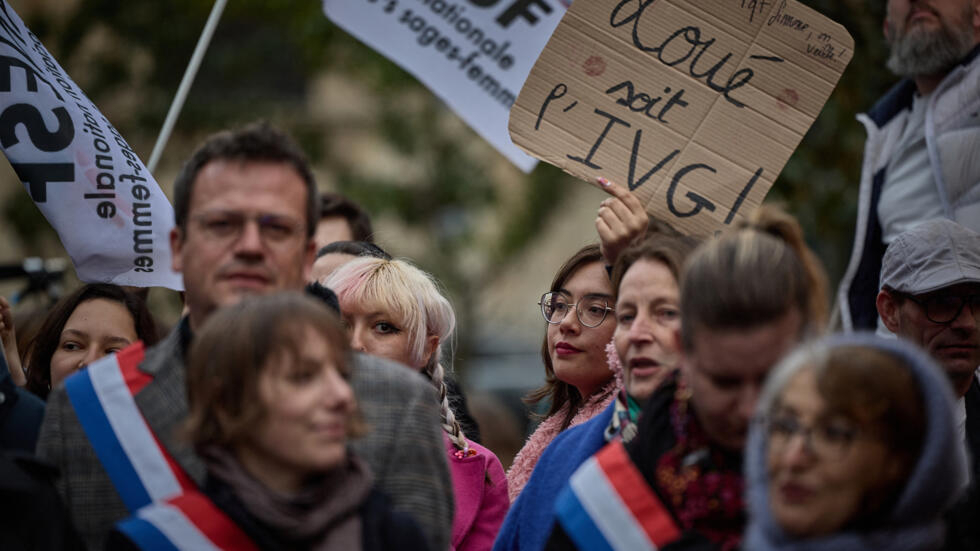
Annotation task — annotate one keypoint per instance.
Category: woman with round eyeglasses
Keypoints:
(854, 448)
(578, 382)
(645, 346)
(578, 309)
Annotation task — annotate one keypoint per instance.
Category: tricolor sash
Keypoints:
(139, 467)
(189, 521)
(608, 505)
(169, 512)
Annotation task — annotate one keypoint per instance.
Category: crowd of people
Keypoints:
(698, 394)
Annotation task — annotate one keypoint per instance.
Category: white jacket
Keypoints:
(952, 129)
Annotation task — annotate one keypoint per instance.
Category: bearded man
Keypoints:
(921, 158)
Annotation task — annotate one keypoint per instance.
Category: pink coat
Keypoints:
(480, 491)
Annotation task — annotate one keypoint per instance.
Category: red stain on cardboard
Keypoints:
(788, 97)
(594, 66)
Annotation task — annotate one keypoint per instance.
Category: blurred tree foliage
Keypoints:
(260, 65)
(820, 182)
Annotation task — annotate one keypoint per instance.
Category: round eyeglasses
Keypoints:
(591, 310)
(944, 309)
(830, 440)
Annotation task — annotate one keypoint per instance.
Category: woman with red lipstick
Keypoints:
(578, 381)
(644, 344)
(855, 449)
(270, 412)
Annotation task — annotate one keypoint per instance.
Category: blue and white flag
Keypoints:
(111, 215)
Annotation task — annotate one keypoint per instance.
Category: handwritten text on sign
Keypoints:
(696, 105)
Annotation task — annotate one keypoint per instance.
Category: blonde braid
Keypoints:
(449, 422)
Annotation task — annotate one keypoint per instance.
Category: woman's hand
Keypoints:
(621, 221)
(9, 339)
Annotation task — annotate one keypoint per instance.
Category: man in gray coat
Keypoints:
(245, 207)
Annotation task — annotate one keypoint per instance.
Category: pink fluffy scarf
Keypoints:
(520, 470)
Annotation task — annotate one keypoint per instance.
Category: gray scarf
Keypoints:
(322, 517)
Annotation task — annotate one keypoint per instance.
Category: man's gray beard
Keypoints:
(923, 53)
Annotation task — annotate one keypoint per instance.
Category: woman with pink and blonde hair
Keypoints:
(396, 311)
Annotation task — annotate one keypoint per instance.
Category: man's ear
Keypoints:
(888, 310)
(176, 243)
(886, 29)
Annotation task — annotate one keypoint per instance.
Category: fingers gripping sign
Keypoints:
(621, 220)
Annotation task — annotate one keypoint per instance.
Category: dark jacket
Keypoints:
(963, 521)
(654, 438)
(21, 414)
(457, 401)
(32, 516)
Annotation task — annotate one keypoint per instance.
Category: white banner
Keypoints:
(111, 215)
(474, 54)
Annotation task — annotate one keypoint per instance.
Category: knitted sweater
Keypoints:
(527, 458)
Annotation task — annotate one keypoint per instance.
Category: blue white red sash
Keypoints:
(189, 521)
(169, 512)
(137, 464)
(607, 505)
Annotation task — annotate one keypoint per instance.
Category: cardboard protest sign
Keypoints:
(696, 105)
(473, 54)
(111, 215)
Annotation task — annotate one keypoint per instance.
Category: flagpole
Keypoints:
(185, 84)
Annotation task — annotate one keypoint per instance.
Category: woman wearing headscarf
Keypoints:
(855, 449)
